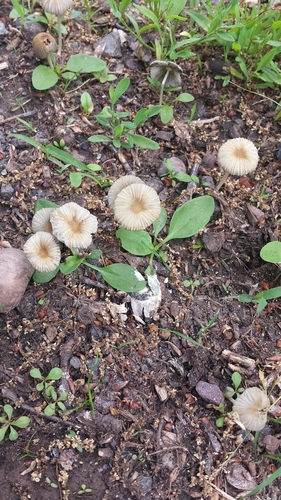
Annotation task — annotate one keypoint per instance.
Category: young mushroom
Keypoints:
(41, 221)
(137, 206)
(252, 407)
(117, 186)
(43, 45)
(167, 73)
(59, 8)
(237, 157)
(73, 225)
(42, 251)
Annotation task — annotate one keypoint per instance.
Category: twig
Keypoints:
(224, 495)
(58, 479)
(22, 115)
(169, 448)
(121, 157)
(207, 120)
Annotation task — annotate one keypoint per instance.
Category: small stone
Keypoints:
(75, 362)
(145, 484)
(111, 43)
(240, 478)
(213, 241)
(7, 191)
(210, 392)
(3, 30)
(177, 166)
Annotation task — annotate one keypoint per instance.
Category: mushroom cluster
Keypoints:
(70, 224)
(58, 8)
(135, 205)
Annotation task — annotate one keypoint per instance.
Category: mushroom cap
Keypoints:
(158, 70)
(42, 251)
(41, 220)
(238, 156)
(137, 206)
(120, 184)
(43, 43)
(57, 7)
(73, 225)
(252, 408)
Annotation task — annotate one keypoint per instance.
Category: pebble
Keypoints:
(7, 191)
(210, 392)
(278, 155)
(75, 362)
(145, 483)
(112, 44)
(3, 30)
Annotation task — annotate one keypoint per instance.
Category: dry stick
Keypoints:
(224, 495)
(22, 115)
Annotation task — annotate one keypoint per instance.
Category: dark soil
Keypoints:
(151, 435)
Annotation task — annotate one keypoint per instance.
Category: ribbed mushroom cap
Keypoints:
(158, 70)
(41, 221)
(57, 7)
(137, 206)
(238, 156)
(42, 251)
(252, 408)
(43, 44)
(73, 225)
(120, 184)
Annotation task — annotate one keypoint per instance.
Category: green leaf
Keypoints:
(44, 204)
(13, 434)
(159, 223)
(144, 142)
(95, 254)
(262, 303)
(26, 139)
(61, 406)
(35, 373)
(22, 422)
(191, 217)
(54, 374)
(84, 63)
(71, 264)
(182, 177)
(3, 431)
(272, 293)
(120, 89)
(266, 59)
(135, 242)
(166, 113)
(75, 179)
(63, 396)
(93, 167)
(236, 379)
(63, 156)
(44, 77)
(50, 409)
(220, 421)
(8, 409)
(86, 102)
(244, 297)
(39, 277)
(271, 252)
(122, 277)
(185, 97)
(140, 117)
(40, 386)
(99, 138)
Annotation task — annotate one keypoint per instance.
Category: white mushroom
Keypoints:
(252, 407)
(59, 8)
(120, 184)
(73, 225)
(237, 157)
(167, 73)
(41, 220)
(42, 251)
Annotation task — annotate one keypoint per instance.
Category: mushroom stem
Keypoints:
(49, 59)
(60, 37)
(222, 181)
(162, 86)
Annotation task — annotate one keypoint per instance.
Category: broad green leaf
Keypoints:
(236, 379)
(39, 277)
(13, 434)
(135, 242)
(50, 409)
(35, 373)
(63, 396)
(40, 386)
(95, 254)
(86, 102)
(149, 14)
(44, 77)
(262, 303)
(44, 204)
(166, 113)
(122, 277)
(143, 142)
(3, 431)
(159, 223)
(75, 179)
(244, 297)
(71, 264)
(22, 422)
(61, 406)
(271, 252)
(140, 117)
(99, 138)
(272, 293)
(54, 374)
(120, 89)
(8, 409)
(185, 97)
(93, 167)
(191, 217)
(182, 177)
(266, 59)
(84, 63)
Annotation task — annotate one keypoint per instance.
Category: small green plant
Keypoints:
(177, 176)
(86, 102)
(192, 284)
(271, 252)
(236, 389)
(121, 130)
(260, 298)
(200, 334)
(73, 434)
(84, 489)
(53, 485)
(55, 402)
(9, 423)
(220, 420)
(27, 452)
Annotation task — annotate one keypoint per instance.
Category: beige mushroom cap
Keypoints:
(120, 184)
(43, 44)
(137, 206)
(57, 7)
(238, 156)
(42, 251)
(73, 225)
(41, 220)
(252, 408)
(158, 70)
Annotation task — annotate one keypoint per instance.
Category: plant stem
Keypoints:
(60, 36)
(162, 86)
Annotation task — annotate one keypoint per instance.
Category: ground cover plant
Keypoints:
(124, 392)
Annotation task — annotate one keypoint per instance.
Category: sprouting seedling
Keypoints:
(86, 102)
(9, 424)
(58, 8)
(45, 382)
(84, 489)
(44, 45)
(167, 73)
(46, 385)
(236, 389)
(192, 284)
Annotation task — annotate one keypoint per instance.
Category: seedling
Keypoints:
(220, 420)
(236, 389)
(9, 424)
(192, 284)
(260, 298)
(84, 489)
(48, 481)
(27, 452)
(86, 102)
(177, 176)
(54, 402)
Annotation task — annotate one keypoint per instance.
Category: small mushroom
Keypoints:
(15, 273)
(43, 44)
(237, 157)
(42, 251)
(59, 8)
(252, 407)
(73, 225)
(137, 206)
(41, 220)
(167, 73)
(120, 184)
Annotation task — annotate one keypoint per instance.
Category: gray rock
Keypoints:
(210, 392)
(7, 191)
(112, 44)
(145, 484)
(3, 30)
(75, 362)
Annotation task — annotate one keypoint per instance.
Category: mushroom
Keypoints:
(167, 73)
(252, 407)
(73, 225)
(59, 8)
(120, 184)
(15, 273)
(43, 44)
(41, 221)
(137, 206)
(237, 157)
(42, 251)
